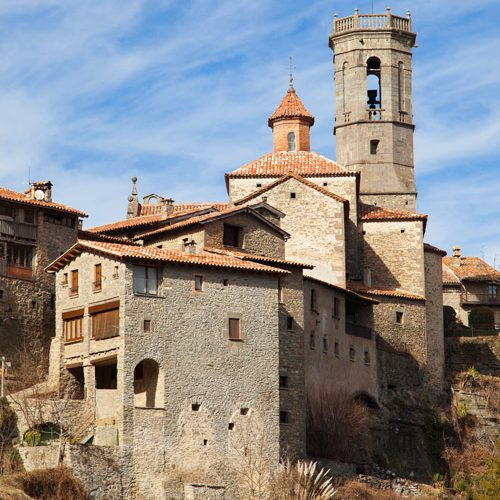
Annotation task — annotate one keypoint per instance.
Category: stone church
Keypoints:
(190, 332)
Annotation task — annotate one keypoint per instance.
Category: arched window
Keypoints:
(291, 141)
(401, 87)
(373, 88)
(148, 385)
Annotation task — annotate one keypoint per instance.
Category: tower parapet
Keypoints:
(363, 22)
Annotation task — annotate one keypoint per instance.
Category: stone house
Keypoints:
(470, 284)
(34, 230)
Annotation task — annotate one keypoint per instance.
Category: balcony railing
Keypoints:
(479, 298)
(18, 229)
(372, 22)
(358, 330)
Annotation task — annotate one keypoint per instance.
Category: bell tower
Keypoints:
(373, 118)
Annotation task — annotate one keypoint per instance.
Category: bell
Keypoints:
(372, 99)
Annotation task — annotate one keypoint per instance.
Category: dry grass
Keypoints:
(47, 484)
(356, 490)
(486, 386)
(337, 426)
(300, 481)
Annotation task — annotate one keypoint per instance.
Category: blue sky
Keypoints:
(178, 92)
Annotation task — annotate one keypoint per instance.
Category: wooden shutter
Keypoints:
(105, 324)
(98, 277)
(74, 281)
(73, 329)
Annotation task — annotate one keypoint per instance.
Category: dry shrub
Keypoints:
(300, 481)
(356, 490)
(45, 484)
(337, 426)
(470, 460)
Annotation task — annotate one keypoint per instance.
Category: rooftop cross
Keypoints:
(291, 74)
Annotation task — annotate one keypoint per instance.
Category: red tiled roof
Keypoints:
(181, 207)
(307, 182)
(204, 218)
(372, 213)
(471, 268)
(448, 277)
(359, 287)
(154, 254)
(350, 293)
(9, 195)
(431, 248)
(143, 220)
(291, 107)
(278, 163)
(258, 258)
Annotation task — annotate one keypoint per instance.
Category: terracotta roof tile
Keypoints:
(258, 258)
(350, 293)
(154, 254)
(278, 163)
(448, 277)
(471, 268)
(9, 195)
(181, 207)
(372, 213)
(286, 177)
(431, 248)
(359, 287)
(291, 107)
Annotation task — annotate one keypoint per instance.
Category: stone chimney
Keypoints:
(167, 206)
(133, 202)
(457, 258)
(41, 191)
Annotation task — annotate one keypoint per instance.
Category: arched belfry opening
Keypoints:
(373, 88)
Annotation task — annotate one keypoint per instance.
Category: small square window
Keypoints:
(289, 323)
(195, 406)
(293, 195)
(399, 317)
(225, 282)
(366, 357)
(198, 283)
(243, 411)
(283, 381)
(284, 417)
(147, 325)
(234, 329)
(230, 426)
(259, 184)
(312, 341)
(325, 184)
(336, 348)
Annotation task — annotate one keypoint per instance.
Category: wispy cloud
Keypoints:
(179, 92)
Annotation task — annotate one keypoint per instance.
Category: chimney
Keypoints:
(168, 206)
(41, 191)
(457, 258)
(133, 203)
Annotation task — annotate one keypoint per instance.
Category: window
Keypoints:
(19, 255)
(65, 279)
(259, 184)
(147, 325)
(325, 184)
(280, 291)
(336, 348)
(312, 341)
(74, 282)
(374, 100)
(399, 317)
(313, 300)
(352, 353)
(195, 407)
(145, 280)
(29, 216)
(492, 291)
(284, 381)
(198, 283)
(289, 323)
(105, 319)
(291, 141)
(232, 236)
(225, 282)
(366, 357)
(336, 308)
(325, 344)
(6, 211)
(244, 411)
(97, 277)
(293, 196)
(374, 146)
(234, 329)
(115, 272)
(284, 417)
(73, 325)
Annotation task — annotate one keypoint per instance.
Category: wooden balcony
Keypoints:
(468, 298)
(17, 229)
(17, 272)
(358, 330)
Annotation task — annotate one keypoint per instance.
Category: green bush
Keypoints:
(32, 437)
(462, 410)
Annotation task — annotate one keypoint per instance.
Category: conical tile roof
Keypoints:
(291, 107)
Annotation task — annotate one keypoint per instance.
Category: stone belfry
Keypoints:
(373, 96)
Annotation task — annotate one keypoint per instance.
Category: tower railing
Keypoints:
(372, 22)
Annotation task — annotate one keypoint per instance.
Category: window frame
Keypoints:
(97, 277)
(291, 141)
(198, 278)
(74, 285)
(147, 280)
(230, 321)
(237, 235)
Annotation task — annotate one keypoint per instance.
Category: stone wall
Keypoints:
(393, 251)
(324, 367)
(282, 128)
(434, 320)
